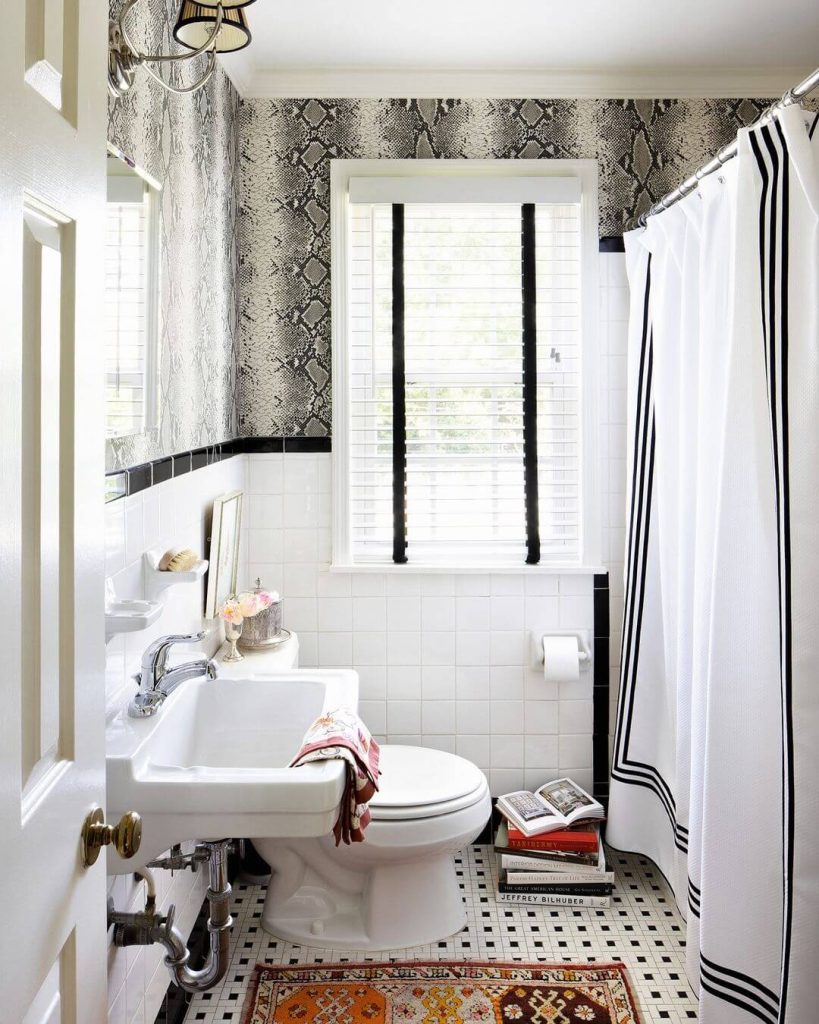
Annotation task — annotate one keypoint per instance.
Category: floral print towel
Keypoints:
(342, 735)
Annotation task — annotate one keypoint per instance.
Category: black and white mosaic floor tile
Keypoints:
(642, 928)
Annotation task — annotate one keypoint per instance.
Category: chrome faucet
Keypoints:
(156, 681)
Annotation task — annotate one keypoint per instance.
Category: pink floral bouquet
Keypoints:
(239, 607)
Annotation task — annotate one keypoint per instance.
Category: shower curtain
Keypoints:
(715, 763)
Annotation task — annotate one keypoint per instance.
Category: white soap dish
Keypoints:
(130, 616)
(157, 580)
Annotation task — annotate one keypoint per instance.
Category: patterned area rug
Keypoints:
(441, 993)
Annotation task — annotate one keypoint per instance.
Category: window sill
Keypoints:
(493, 568)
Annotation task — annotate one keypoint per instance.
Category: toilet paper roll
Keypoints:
(561, 659)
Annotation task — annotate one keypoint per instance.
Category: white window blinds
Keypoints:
(128, 300)
(463, 497)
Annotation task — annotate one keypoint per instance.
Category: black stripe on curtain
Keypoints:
(399, 395)
(743, 984)
(773, 253)
(624, 768)
(529, 297)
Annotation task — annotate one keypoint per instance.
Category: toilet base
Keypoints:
(390, 906)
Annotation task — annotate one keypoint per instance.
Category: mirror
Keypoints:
(224, 551)
(131, 299)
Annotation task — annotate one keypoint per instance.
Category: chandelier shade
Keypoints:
(196, 23)
(226, 4)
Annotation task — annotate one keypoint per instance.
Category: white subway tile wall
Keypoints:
(445, 660)
(172, 513)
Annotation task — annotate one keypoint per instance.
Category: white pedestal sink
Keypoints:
(212, 763)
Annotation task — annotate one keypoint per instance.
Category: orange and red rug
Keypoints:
(440, 993)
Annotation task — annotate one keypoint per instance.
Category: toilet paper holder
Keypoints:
(584, 653)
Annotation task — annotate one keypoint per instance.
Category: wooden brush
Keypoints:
(178, 560)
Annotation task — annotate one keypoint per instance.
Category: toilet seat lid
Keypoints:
(418, 781)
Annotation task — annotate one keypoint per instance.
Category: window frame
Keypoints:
(153, 318)
(341, 171)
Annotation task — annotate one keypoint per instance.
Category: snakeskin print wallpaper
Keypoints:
(189, 144)
(245, 302)
(644, 149)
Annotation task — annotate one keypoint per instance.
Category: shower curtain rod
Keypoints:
(728, 152)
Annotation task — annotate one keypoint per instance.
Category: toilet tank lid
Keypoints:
(419, 776)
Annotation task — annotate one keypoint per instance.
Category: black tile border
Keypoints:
(600, 689)
(122, 482)
(162, 470)
(611, 243)
(307, 444)
(181, 463)
(259, 445)
(140, 478)
(278, 445)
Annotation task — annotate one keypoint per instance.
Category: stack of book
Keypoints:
(549, 848)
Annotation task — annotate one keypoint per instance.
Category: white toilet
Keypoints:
(399, 887)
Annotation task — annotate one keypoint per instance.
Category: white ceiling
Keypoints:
(482, 47)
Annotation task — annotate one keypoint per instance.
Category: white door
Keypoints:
(52, 188)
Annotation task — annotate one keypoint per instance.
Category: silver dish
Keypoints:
(273, 641)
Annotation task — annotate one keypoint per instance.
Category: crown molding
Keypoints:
(421, 83)
(241, 71)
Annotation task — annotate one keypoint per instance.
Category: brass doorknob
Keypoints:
(125, 836)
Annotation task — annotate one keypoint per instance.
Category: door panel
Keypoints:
(52, 1004)
(52, 188)
(44, 744)
(51, 52)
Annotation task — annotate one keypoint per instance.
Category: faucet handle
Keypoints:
(180, 638)
(157, 650)
(156, 655)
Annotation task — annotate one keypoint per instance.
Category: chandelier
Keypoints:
(204, 28)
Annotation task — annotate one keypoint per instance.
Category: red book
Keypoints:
(566, 840)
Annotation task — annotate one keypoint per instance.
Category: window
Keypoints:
(131, 270)
(458, 424)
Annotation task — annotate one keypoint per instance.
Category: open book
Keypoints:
(556, 805)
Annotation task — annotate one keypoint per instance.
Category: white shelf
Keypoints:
(157, 580)
(130, 616)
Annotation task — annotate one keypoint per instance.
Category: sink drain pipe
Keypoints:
(147, 927)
